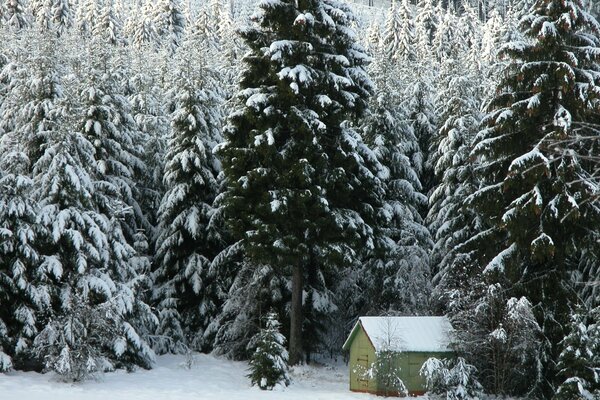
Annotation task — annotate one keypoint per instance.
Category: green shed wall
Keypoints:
(362, 354)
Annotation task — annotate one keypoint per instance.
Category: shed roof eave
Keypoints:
(348, 342)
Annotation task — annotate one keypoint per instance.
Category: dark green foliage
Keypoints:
(301, 186)
(535, 196)
(268, 363)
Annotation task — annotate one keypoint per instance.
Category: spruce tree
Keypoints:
(109, 25)
(426, 22)
(420, 109)
(149, 110)
(188, 239)
(15, 15)
(396, 276)
(141, 29)
(90, 327)
(398, 35)
(106, 121)
(450, 221)
(301, 185)
(576, 361)
(535, 194)
(250, 289)
(22, 286)
(268, 364)
(170, 23)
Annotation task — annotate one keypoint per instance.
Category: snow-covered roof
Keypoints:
(428, 334)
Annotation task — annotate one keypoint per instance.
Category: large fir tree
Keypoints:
(536, 192)
(188, 239)
(301, 185)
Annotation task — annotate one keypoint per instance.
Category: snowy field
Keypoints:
(209, 378)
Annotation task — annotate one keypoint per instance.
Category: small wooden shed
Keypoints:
(414, 339)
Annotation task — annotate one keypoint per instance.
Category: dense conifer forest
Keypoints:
(249, 178)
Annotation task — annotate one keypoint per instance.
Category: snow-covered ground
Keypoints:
(208, 378)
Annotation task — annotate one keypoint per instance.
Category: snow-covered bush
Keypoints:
(71, 345)
(451, 379)
(269, 363)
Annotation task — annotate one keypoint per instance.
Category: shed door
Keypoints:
(362, 363)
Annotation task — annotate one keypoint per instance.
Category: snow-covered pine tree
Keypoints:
(22, 285)
(149, 110)
(426, 22)
(452, 223)
(576, 363)
(31, 88)
(269, 362)
(301, 187)
(15, 15)
(104, 119)
(140, 29)
(202, 29)
(109, 25)
(107, 123)
(188, 239)
(52, 15)
(83, 252)
(450, 379)
(536, 190)
(372, 39)
(420, 109)
(396, 276)
(250, 290)
(170, 23)
(398, 35)
(419, 93)
(87, 15)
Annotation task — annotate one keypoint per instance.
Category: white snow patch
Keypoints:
(209, 378)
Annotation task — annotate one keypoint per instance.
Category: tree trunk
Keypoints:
(296, 316)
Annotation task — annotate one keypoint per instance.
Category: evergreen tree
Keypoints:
(301, 185)
(398, 36)
(32, 87)
(141, 29)
(450, 221)
(500, 337)
(109, 25)
(576, 361)
(397, 273)
(22, 286)
(170, 22)
(450, 379)
(188, 240)
(149, 110)
(53, 15)
(84, 253)
(87, 16)
(268, 364)
(535, 194)
(420, 109)
(426, 22)
(107, 123)
(15, 15)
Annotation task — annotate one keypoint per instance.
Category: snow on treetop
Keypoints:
(417, 333)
